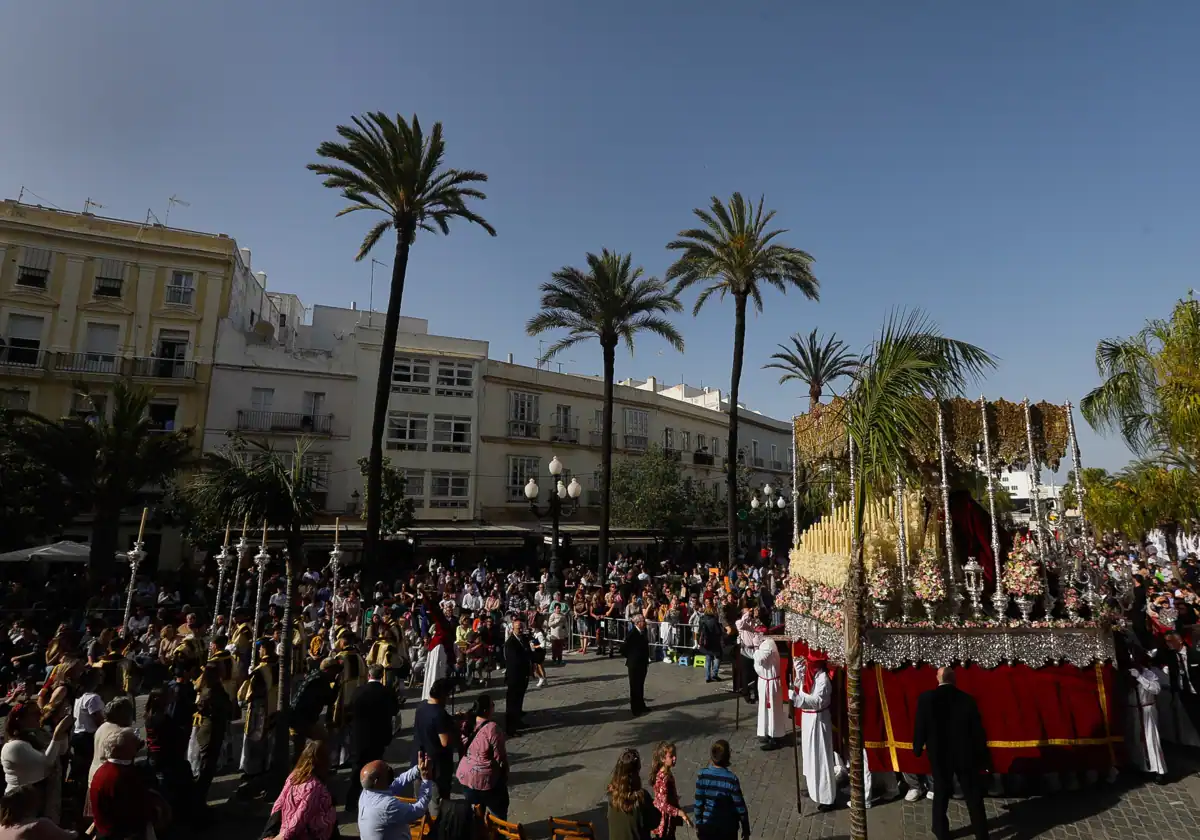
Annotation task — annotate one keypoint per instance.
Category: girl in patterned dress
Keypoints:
(666, 797)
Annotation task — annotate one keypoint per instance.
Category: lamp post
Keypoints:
(771, 502)
(562, 502)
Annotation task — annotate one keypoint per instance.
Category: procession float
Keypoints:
(1026, 617)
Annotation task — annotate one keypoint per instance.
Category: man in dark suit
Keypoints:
(518, 664)
(636, 651)
(949, 726)
(372, 711)
(1182, 664)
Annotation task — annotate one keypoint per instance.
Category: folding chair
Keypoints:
(561, 829)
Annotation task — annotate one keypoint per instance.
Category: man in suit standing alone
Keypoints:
(518, 664)
(636, 651)
(372, 711)
(949, 726)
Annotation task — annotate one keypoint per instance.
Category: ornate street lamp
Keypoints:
(562, 502)
(771, 502)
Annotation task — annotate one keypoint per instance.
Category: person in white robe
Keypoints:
(437, 665)
(772, 706)
(813, 696)
(1145, 748)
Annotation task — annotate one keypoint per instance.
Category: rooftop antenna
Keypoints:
(88, 204)
(171, 202)
(540, 361)
(371, 298)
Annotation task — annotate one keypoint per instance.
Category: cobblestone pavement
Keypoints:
(579, 723)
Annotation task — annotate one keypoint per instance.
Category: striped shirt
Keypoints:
(720, 808)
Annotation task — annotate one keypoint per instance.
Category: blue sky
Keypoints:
(1025, 172)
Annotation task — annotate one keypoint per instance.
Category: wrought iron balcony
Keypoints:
(637, 442)
(564, 434)
(596, 438)
(152, 367)
(758, 462)
(22, 358)
(284, 421)
(777, 465)
(88, 362)
(703, 459)
(673, 454)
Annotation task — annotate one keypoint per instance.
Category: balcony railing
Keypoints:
(524, 429)
(21, 357)
(637, 442)
(88, 362)
(758, 462)
(777, 465)
(564, 434)
(673, 454)
(155, 368)
(596, 438)
(284, 421)
(180, 295)
(703, 459)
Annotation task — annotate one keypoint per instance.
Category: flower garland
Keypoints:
(1022, 577)
(812, 599)
(927, 583)
(1071, 599)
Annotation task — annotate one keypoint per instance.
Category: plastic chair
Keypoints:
(502, 830)
(684, 662)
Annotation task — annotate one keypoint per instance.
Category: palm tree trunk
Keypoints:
(814, 394)
(854, 667)
(606, 447)
(735, 380)
(383, 393)
(280, 761)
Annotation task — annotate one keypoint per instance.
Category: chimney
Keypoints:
(353, 306)
(510, 358)
(262, 278)
(245, 252)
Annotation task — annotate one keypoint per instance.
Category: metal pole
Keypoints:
(1077, 466)
(956, 598)
(902, 548)
(999, 598)
(1035, 478)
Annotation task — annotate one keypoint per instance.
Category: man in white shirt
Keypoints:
(278, 598)
(541, 598)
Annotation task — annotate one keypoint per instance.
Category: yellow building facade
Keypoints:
(86, 301)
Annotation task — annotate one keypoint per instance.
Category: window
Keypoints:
(33, 272)
(637, 422)
(107, 286)
(410, 375)
(14, 400)
(775, 457)
(162, 416)
(668, 438)
(716, 447)
(562, 417)
(181, 288)
(454, 378)
(521, 468)
(523, 415)
(172, 344)
(449, 489)
(24, 340)
(282, 320)
(316, 467)
(685, 441)
(451, 433)
(754, 449)
(101, 348)
(261, 399)
(414, 486)
(407, 432)
(312, 403)
(700, 443)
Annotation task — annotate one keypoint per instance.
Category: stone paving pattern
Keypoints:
(580, 722)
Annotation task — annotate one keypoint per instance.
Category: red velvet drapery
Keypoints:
(1054, 718)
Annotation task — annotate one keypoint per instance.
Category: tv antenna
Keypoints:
(88, 204)
(171, 202)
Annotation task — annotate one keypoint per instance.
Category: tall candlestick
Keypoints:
(226, 534)
(246, 525)
(337, 526)
(142, 527)
(264, 542)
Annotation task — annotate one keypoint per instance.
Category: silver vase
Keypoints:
(1025, 605)
(880, 612)
(930, 609)
(1072, 615)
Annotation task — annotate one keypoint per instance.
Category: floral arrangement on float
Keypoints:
(928, 585)
(815, 600)
(879, 588)
(1023, 580)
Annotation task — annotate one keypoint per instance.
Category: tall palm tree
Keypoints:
(735, 254)
(814, 363)
(251, 479)
(105, 462)
(389, 166)
(909, 363)
(609, 301)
